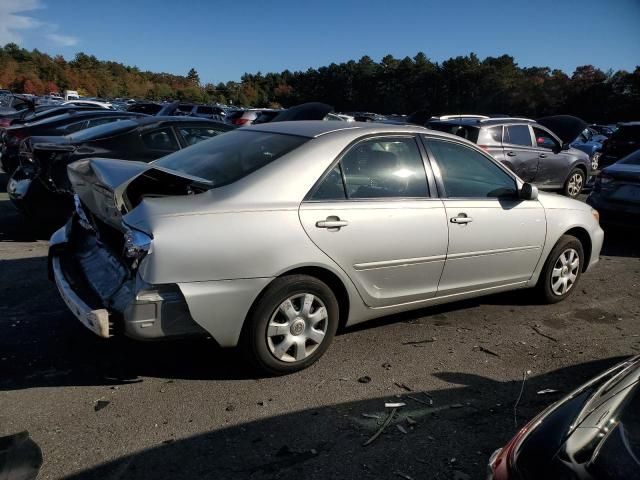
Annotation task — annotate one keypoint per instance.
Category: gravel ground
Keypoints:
(185, 410)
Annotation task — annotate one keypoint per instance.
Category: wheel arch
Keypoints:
(332, 280)
(585, 239)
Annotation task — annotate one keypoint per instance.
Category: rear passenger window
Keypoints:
(377, 168)
(517, 135)
(161, 139)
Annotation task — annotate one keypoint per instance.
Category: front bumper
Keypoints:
(107, 297)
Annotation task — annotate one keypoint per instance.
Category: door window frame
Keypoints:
(516, 145)
(425, 138)
(160, 127)
(432, 193)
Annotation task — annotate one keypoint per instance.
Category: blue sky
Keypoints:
(223, 39)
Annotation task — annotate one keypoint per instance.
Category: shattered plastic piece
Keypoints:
(100, 404)
(20, 457)
(539, 332)
(402, 429)
(411, 421)
(415, 399)
(384, 425)
(365, 379)
(546, 391)
(394, 404)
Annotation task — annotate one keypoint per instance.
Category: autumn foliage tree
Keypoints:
(463, 84)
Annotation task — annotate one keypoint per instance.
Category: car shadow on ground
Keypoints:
(452, 438)
(13, 226)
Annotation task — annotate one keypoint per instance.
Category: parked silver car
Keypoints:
(273, 236)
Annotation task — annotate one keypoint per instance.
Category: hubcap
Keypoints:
(297, 327)
(575, 184)
(565, 272)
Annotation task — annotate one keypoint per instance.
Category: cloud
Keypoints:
(62, 40)
(15, 23)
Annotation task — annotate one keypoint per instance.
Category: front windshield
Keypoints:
(229, 157)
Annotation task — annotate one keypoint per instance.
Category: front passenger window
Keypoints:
(469, 174)
(385, 168)
(544, 139)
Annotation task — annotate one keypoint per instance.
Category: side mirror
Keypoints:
(528, 192)
(566, 146)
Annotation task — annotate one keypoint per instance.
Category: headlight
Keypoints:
(136, 244)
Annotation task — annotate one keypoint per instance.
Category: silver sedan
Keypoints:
(273, 236)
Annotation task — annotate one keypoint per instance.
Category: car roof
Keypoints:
(316, 128)
(486, 122)
(149, 119)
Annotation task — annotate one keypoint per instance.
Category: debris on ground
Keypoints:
(525, 374)
(402, 429)
(403, 475)
(419, 342)
(456, 405)
(410, 421)
(371, 415)
(394, 404)
(547, 390)
(429, 402)
(403, 386)
(100, 404)
(386, 366)
(230, 408)
(536, 329)
(365, 379)
(384, 425)
(485, 350)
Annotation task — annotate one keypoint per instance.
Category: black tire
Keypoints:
(254, 341)
(573, 185)
(545, 283)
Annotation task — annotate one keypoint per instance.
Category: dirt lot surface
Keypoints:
(185, 410)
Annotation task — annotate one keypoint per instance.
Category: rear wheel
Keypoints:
(562, 270)
(291, 325)
(574, 184)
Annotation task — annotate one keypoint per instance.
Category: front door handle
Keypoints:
(332, 223)
(462, 218)
(511, 154)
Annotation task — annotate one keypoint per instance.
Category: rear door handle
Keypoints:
(461, 218)
(511, 154)
(332, 222)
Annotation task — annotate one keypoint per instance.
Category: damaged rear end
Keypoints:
(96, 257)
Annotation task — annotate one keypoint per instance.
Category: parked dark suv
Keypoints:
(625, 140)
(530, 149)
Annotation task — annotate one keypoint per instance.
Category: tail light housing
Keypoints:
(241, 121)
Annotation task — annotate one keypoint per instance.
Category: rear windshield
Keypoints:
(229, 157)
(464, 131)
(100, 131)
(628, 133)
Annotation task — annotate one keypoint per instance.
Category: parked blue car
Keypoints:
(590, 142)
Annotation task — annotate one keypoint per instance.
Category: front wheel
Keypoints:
(562, 270)
(575, 182)
(291, 325)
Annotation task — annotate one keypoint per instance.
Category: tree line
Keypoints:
(464, 84)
